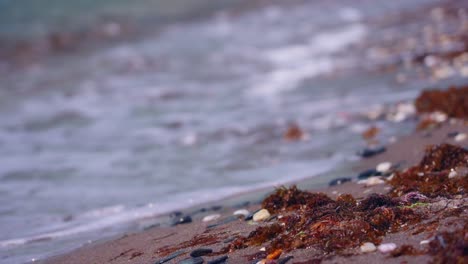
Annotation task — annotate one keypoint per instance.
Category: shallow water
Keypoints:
(91, 142)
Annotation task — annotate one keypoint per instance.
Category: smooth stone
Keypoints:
(370, 152)
(250, 216)
(170, 257)
(200, 252)
(284, 260)
(243, 212)
(460, 137)
(384, 167)
(219, 260)
(197, 260)
(367, 173)
(387, 247)
(372, 181)
(261, 215)
(182, 220)
(212, 217)
(216, 207)
(368, 247)
(339, 181)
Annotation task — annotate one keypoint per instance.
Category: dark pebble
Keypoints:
(284, 260)
(339, 181)
(369, 152)
(452, 134)
(368, 173)
(219, 260)
(200, 252)
(197, 260)
(170, 257)
(224, 221)
(216, 207)
(182, 220)
(250, 216)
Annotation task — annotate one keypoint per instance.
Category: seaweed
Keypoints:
(450, 247)
(292, 198)
(453, 102)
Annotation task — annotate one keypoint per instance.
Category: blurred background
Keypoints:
(114, 112)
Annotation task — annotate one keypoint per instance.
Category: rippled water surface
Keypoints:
(93, 140)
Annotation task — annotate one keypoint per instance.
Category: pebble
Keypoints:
(427, 241)
(339, 181)
(261, 215)
(460, 137)
(200, 252)
(170, 257)
(197, 260)
(284, 260)
(452, 174)
(250, 216)
(212, 217)
(387, 247)
(367, 173)
(372, 181)
(384, 167)
(182, 220)
(243, 212)
(219, 260)
(369, 152)
(368, 247)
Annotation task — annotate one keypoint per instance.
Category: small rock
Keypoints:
(387, 247)
(339, 181)
(243, 212)
(368, 173)
(263, 249)
(460, 137)
(371, 181)
(384, 167)
(368, 247)
(284, 260)
(427, 241)
(197, 260)
(200, 252)
(219, 260)
(183, 220)
(212, 217)
(452, 174)
(261, 215)
(369, 152)
(170, 257)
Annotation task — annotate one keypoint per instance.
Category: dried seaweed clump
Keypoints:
(315, 220)
(450, 247)
(453, 102)
(292, 198)
(431, 176)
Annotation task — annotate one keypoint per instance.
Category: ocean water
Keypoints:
(95, 140)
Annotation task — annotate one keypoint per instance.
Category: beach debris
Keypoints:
(368, 173)
(460, 137)
(368, 247)
(219, 260)
(339, 181)
(200, 252)
(275, 254)
(384, 167)
(370, 133)
(170, 257)
(370, 152)
(211, 217)
(261, 215)
(387, 247)
(413, 197)
(182, 220)
(294, 133)
(243, 212)
(453, 102)
(197, 260)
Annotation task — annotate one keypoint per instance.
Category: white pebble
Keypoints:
(460, 137)
(387, 247)
(438, 116)
(452, 174)
(384, 167)
(261, 215)
(263, 249)
(425, 242)
(212, 217)
(371, 181)
(243, 212)
(368, 247)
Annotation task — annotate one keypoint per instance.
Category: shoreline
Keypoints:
(160, 242)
